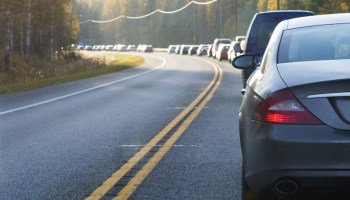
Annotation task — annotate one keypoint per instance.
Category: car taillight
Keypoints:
(282, 107)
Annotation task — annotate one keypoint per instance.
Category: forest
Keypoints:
(45, 29)
(195, 24)
(35, 29)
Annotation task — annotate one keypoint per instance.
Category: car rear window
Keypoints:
(264, 33)
(326, 42)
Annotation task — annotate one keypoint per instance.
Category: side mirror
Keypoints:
(244, 61)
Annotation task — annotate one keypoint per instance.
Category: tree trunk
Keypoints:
(41, 43)
(52, 35)
(7, 49)
(11, 29)
(29, 29)
(21, 39)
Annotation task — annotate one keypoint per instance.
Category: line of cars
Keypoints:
(117, 47)
(221, 49)
(294, 120)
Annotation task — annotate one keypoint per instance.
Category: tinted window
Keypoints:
(265, 30)
(315, 43)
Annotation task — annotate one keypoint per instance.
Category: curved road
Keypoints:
(66, 141)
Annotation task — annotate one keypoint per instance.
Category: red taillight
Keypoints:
(283, 107)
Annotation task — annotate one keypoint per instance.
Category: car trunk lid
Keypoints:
(323, 87)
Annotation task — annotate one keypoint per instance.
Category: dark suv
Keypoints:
(259, 33)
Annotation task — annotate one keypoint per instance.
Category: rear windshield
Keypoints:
(264, 33)
(327, 42)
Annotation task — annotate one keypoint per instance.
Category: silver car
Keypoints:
(295, 113)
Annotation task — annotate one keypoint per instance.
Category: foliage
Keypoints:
(195, 24)
(318, 7)
(33, 27)
(34, 73)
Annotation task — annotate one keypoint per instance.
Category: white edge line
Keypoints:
(86, 90)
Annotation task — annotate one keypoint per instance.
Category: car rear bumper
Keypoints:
(312, 155)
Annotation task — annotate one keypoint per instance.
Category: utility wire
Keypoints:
(149, 14)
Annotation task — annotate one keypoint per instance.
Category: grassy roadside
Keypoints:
(36, 74)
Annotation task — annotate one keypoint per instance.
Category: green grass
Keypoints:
(37, 73)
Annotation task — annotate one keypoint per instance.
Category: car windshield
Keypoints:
(315, 43)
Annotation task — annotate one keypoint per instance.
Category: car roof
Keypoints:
(220, 39)
(289, 13)
(318, 20)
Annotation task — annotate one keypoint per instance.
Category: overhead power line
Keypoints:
(149, 14)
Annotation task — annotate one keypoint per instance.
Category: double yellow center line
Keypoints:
(183, 120)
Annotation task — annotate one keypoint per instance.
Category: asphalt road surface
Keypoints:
(81, 139)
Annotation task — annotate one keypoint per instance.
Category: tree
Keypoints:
(8, 32)
(28, 29)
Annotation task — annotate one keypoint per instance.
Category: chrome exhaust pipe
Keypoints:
(286, 187)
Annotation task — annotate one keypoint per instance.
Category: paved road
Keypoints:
(63, 142)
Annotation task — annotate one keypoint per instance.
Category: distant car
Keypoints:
(184, 49)
(80, 47)
(109, 47)
(236, 50)
(177, 49)
(193, 49)
(139, 47)
(122, 48)
(221, 54)
(230, 49)
(202, 49)
(259, 33)
(131, 48)
(88, 48)
(239, 38)
(115, 47)
(294, 121)
(171, 49)
(216, 44)
(148, 48)
(209, 51)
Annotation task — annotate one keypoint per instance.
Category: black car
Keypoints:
(294, 121)
(148, 49)
(259, 33)
(184, 49)
(193, 49)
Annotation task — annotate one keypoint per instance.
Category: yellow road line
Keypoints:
(120, 173)
(127, 191)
